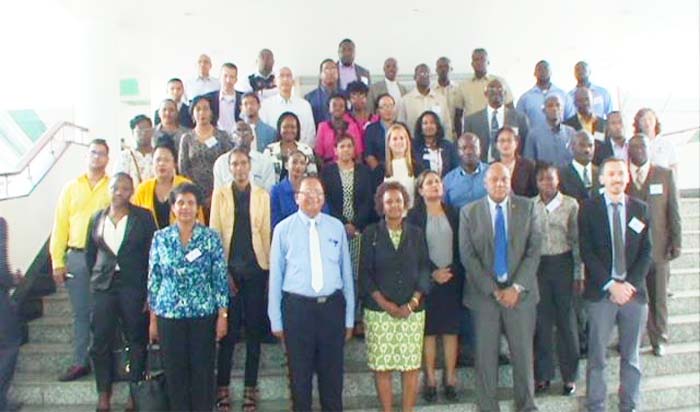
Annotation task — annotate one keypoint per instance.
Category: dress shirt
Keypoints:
(227, 110)
(559, 226)
(262, 171)
(136, 164)
(551, 145)
(347, 75)
(187, 282)
(500, 113)
(201, 86)
(290, 264)
(462, 187)
(600, 106)
(113, 234)
(415, 103)
(581, 169)
(392, 87)
(492, 209)
(471, 96)
(622, 209)
(76, 205)
(531, 104)
(662, 152)
(274, 106)
(643, 169)
(621, 152)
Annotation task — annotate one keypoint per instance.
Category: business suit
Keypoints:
(598, 123)
(570, 183)
(603, 150)
(477, 251)
(118, 283)
(215, 96)
(596, 243)
(10, 336)
(378, 89)
(183, 117)
(659, 192)
(479, 123)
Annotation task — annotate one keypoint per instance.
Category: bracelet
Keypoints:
(409, 308)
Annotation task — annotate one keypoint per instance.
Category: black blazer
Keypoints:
(603, 150)
(214, 98)
(595, 241)
(571, 184)
(184, 117)
(132, 256)
(395, 273)
(362, 194)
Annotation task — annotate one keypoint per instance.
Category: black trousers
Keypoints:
(314, 335)
(248, 309)
(556, 308)
(113, 307)
(188, 349)
(10, 340)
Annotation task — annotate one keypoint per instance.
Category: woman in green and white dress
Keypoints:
(394, 278)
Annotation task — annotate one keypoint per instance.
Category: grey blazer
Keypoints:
(479, 124)
(377, 89)
(476, 248)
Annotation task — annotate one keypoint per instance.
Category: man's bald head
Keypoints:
(497, 182)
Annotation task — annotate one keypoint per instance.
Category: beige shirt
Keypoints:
(414, 104)
(470, 96)
(451, 94)
(559, 227)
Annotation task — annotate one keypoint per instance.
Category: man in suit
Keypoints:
(176, 91)
(656, 186)
(585, 119)
(616, 251)
(500, 245)
(348, 70)
(388, 85)
(486, 122)
(578, 178)
(615, 143)
(226, 102)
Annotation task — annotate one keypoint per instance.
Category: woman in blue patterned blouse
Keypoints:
(188, 297)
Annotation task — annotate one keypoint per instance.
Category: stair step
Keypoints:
(691, 238)
(689, 258)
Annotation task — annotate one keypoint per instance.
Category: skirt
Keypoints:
(394, 344)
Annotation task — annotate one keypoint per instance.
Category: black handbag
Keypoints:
(150, 394)
(121, 371)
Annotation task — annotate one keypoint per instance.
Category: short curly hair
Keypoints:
(385, 187)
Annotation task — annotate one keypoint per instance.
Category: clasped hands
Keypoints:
(507, 297)
(621, 292)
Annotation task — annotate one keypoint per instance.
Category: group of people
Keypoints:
(444, 213)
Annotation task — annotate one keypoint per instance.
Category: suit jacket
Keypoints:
(663, 209)
(599, 123)
(570, 183)
(378, 89)
(479, 124)
(449, 155)
(215, 96)
(132, 256)
(183, 117)
(596, 245)
(603, 150)
(363, 201)
(360, 72)
(222, 219)
(476, 245)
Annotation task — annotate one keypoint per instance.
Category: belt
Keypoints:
(76, 249)
(313, 299)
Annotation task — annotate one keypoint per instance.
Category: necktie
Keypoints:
(639, 180)
(316, 263)
(618, 244)
(494, 129)
(500, 261)
(586, 178)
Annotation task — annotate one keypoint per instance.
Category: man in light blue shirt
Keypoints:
(465, 183)
(531, 104)
(601, 104)
(552, 142)
(311, 297)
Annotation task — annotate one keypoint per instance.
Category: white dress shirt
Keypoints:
(580, 170)
(227, 112)
(274, 106)
(200, 86)
(262, 171)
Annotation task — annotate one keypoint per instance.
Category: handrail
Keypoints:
(45, 139)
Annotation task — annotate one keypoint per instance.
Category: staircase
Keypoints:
(670, 383)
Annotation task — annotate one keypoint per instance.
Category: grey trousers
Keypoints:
(630, 320)
(519, 327)
(657, 286)
(81, 302)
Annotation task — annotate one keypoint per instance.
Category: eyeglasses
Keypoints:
(311, 193)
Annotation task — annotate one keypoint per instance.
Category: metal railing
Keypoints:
(37, 162)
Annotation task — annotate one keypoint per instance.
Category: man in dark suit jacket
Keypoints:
(485, 123)
(117, 249)
(227, 92)
(656, 186)
(346, 56)
(615, 143)
(579, 179)
(583, 100)
(616, 251)
(500, 250)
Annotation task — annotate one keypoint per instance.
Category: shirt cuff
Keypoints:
(518, 287)
(607, 285)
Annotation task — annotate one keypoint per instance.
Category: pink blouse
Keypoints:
(325, 140)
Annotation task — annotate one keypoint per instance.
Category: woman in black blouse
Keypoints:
(394, 277)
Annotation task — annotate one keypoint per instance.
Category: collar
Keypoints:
(341, 65)
(391, 81)
(609, 201)
(580, 168)
(306, 219)
(644, 168)
(227, 97)
(464, 172)
(204, 79)
(283, 100)
(487, 77)
(614, 144)
(489, 110)
(503, 203)
(553, 204)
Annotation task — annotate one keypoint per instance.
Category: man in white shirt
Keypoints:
(389, 85)
(274, 106)
(262, 171)
(203, 83)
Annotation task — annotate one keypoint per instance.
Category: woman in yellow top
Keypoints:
(240, 213)
(152, 194)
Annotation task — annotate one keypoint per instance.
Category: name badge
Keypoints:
(656, 189)
(193, 255)
(364, 80)
(516, 130)
(210, 142)
(636, 225)
(599, 136)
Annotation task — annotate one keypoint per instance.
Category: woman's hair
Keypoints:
(419, 137)
(388, 170)
(640, 113)
(343, 138)
(385, 187)
(183, 189)
(214, 116)
(165, 143)
(500, 131)
(279, 125)
(420, 180)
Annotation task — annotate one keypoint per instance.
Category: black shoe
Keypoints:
(541, 387)
(503, 359)
(569, 389)
(658, 350)
(74, 373)
(450, 393)
(430, 394)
